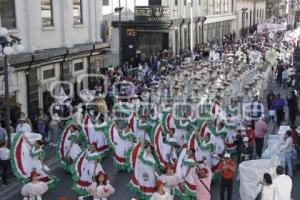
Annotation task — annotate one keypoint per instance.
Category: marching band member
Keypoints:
(246, 151)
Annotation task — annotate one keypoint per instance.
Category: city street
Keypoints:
(175, 84)
(120, 179)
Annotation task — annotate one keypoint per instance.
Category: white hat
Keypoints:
(227, 155)
(245, 139)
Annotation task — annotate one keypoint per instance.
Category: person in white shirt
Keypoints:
(287, 149)
(23, 125)
(4, 161)
(77, 117)
(54, 128)
(267, 188)
(283, 185)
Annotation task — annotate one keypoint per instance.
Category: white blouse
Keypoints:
(157, 196)
(268, 192)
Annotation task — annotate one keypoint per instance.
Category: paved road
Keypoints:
(120, 179)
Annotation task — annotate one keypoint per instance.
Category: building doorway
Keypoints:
(152, 42)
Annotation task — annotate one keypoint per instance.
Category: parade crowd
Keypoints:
(178, 125)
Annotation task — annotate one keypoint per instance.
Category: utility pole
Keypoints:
(119, 10)
(120, 33)
(203, 19)
(191, 28)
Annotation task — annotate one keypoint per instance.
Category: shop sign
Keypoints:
(152, 13)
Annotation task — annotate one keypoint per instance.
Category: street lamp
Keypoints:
(203, 19)
(119, 10)
(191, 27)
(9, 45)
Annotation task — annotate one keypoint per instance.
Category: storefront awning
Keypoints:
(153, 31)
(219, 18)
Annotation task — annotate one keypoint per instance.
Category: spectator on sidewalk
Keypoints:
(287, 149)
(3, 132)
(227, 169)
(4, 161)
(24, 124)
(250, 133)
(285, 77)
(256, 110)
(270, 98)
(292, 103)
(239, 143)
(296, 140)
(261, 129)
(41, 120)
(77, 116)
(247, 150)
(283, 185)
(279, 71)
(15, 114)
(267, 187)
(202, 177)
(125, 69)
(54, 129)
(278, 105)
(153, 62)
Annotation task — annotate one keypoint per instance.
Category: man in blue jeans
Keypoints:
(278, 105)
(287, 148)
